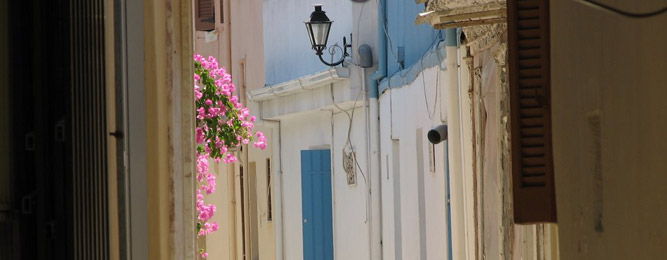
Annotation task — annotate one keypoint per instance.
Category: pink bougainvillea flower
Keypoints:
(200, 135)
(222, 125)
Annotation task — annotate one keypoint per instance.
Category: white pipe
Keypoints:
(372, 168)
(376, 176)
(454, 145)
(369, 182)
(462, 149)
(443, 94)
(333, 179)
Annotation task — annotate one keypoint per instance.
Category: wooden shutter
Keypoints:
(89, 186)
(204, 15)
(529, 79)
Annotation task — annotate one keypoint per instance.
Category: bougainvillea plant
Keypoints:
(222, 125)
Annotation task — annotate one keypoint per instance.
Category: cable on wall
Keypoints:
(621, 12)
(428, 109)
(348, 142)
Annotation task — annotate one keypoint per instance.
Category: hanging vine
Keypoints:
(222, 125)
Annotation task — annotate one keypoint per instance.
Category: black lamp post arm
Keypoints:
(345, 54)
(332, 64)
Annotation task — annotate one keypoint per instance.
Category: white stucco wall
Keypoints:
(306, 119)
(403, 111)
(313, 130)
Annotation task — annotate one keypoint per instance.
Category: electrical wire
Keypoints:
(365, 91)
(351, 116)
(361, 12)
(621, 12)
(349, 129)
(349, 139)
(437, 90)
(391, 46)
(358, 43)
(391, 43)
(348, 142)
(435, 45)
(436, 42)
(359, 167)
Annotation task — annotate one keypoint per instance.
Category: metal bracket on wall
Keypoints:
(117, 134)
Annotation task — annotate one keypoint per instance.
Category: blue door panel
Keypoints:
(306, 200)
(316, 205)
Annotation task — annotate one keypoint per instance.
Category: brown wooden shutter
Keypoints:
(89, 180)
(529, 79)
(204, 15)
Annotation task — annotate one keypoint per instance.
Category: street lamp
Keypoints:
(318, 31)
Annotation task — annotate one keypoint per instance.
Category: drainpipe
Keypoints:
(373, 169)
(382, 51)
(454, 146)
(375, 177)
(373, 107)
(450, 255)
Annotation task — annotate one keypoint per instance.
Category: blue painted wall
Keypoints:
(415, 39)
(287, 51)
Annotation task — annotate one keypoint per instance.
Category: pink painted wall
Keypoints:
(238, 39)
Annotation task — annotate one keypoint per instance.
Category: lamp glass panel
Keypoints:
(320, 33)
(310, 35)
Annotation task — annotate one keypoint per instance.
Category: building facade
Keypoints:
(321, 114)
(552, 147)
(232, 33)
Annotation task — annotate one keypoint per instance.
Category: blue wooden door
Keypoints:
(316, 204)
